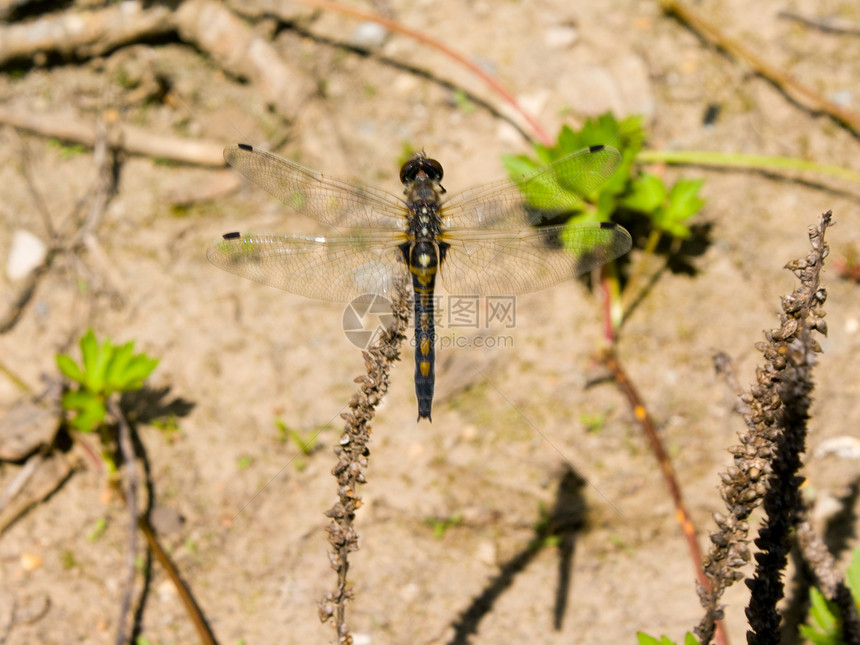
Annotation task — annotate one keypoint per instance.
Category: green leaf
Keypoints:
(518, 167)
(89, 409)
(69, 368)
(645, 639)
(95, 359)
(822, 612)
(852, 576)
(89, 349)
(817, 637)
(108, 368)
(647, 195)
(607, 204)
(690, 639)
(139, 368)
(684, 200)
(571, 141)
(604, 130)
(117, 365)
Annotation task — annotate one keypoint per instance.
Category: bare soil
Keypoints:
(251, 543)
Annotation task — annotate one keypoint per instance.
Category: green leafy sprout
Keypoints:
(825, 621)
(104, 369)
(667, 209)
(307, 442)
(645, 639)
(440, 525)
(631, 197)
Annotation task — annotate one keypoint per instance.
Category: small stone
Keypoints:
(844, 447)
(26, 254)
(369, 35)
(560, 36)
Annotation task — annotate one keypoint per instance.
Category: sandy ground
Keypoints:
(252, 544)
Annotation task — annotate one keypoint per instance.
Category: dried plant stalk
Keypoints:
(352, 453)
(767, 460)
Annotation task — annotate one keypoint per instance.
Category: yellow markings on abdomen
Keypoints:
(424, 366)
(424, 275)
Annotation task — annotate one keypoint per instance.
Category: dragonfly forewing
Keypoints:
(331, 201)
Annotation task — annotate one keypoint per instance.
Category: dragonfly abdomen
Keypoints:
(424, 259)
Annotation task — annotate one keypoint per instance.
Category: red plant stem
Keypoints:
(610, 359)
(432, 42)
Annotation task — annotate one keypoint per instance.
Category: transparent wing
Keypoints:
(337, 203)
(545, 194)
(337, 268)
(492, 262)
(495, 248)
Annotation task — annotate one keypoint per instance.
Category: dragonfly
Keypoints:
(485, 241)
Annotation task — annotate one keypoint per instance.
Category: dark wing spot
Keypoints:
(245, 146)
(596, 148)
(235, 235)
(608, 225)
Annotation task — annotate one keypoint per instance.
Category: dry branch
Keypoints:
(243, 53)
(132, 139)
(84, 34)
(210, 25)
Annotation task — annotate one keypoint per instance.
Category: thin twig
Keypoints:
(35, 194)
(352, 453)
(203, 631)
(135, 140)
(129, 482)
(775, 75)
(833, 25)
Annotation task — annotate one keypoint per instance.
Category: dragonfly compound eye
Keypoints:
(420, 163)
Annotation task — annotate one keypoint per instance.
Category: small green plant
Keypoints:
(67, 150)
(307, 442)
(593, 422)
(645, 639)
(462, 102)
(98, 530)
(105, 369)
(67, 560)
(825, 625)
(441, 525)
(169, 426)
(666, 209)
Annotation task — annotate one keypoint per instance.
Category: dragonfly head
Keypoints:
(420, 164)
